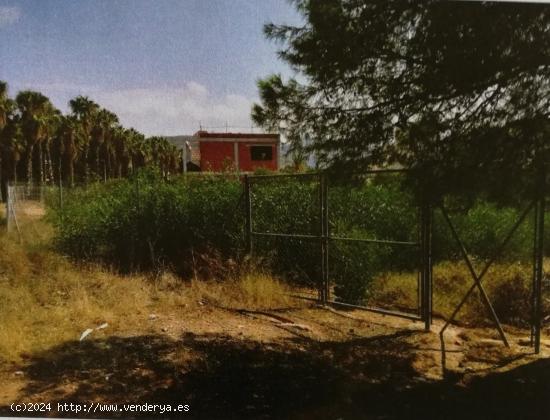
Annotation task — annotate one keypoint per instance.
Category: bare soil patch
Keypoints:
(293, 362)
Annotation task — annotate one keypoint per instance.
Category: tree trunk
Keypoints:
(86, 166)
(49, 164)
(71, 172)
(29, 164)
(41, 162)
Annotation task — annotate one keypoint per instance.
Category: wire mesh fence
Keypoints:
(26, 205)
(285, 227)
(338, 240)
(375, 257)
(363, 243)
(372, 245)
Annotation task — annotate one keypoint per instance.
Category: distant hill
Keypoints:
(179, 141)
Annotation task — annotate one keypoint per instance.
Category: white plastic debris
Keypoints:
(104, 325)
(85, 334)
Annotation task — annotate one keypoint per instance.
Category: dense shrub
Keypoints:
(145, 221)
(187, 224)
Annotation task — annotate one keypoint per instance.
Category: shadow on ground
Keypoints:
(226, 377)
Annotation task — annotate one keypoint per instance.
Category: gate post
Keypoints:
(248, 211)
(325, 236)
(323, 242)
(539, 256)
(426, 269)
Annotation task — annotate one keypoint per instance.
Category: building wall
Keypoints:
(214, 154)
(246, 164)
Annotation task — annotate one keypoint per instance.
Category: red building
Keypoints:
(244, 152)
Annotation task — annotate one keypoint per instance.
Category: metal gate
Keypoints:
(324, 241)
(321, 239)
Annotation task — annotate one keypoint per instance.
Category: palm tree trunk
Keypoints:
(97, 163)
(71, 172)
(41, 162)
(86, 166)
(49, 162)
(29, 164)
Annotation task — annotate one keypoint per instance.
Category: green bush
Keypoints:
(187, 223)
(139, 223)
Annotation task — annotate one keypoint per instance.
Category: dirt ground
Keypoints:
(304, 362)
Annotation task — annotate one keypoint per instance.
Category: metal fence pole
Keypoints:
(322, 289)
(539, 255)
(325, 236)
(8, 208)
(426, 270)
(248, 211)
(60, 195)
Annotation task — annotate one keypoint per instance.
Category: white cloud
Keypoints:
(167, 111)
(9, 15)
(159, 111)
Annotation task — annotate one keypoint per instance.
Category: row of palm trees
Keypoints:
(40, 145)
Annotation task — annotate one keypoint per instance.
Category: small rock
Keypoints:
(152, 317)
(18, 373)
(163, 329)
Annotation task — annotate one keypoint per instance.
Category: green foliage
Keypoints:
(426, 84)
(482, 227)
(144, 221)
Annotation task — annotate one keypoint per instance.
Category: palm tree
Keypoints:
(104, 122)
(121, 151)
(36, 139)
(139, 148)
(67, 150)
(52, 130)
(84, 110)
(11, 148)
(34, 109)
(6, 105)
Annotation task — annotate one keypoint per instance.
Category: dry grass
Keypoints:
(46, 299)
(508, 285)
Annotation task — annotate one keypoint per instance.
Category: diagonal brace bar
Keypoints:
(478, 278)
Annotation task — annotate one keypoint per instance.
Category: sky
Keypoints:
(163, 66)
